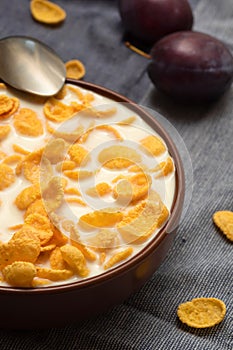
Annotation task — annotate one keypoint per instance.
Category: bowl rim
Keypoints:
(172, 222)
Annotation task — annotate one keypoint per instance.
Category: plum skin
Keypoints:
(191, 66)
(150, 20)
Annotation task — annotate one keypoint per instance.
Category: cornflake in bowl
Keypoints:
(94, 187)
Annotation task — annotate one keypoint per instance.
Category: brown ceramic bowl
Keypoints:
(58, 305)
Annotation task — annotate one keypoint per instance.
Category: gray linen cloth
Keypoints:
(200, 262)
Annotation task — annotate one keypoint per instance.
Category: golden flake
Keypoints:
(202, 312)
(19, 274)
(47, 12)
(75, 69)
(118, 257)
(224, 221)
(153, 145)
(27, 123)
(4, 131)
(7, 176)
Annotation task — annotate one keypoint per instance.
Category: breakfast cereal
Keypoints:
(153, 145)
(101, 189)
(140, 222)
(202, 312)
(7, 176)
(4, 131)
(88, 185)
(57, 111)
(8, 106)
(53, 194)
(47, 12)
(107, 217)
(164, 168)
(75, 69)
(27, 123)
(56, 260)
(27, 196)
(116, 258)
(26, 248)
(125, 154)
(224, 221)
(53, 274)
(75, 259)
(78, 174)
(19, 274)
(55, 150)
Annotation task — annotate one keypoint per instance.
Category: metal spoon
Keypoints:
(29, 65)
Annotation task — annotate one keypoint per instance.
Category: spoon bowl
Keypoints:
(31, 66)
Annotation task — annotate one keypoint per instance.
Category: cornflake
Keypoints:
(56, 260)
(15, 227)
(138, 168)
(87, 253)
(54, 151)
(19, 274)
(101, 189)
(53, 274)
(118, 163)
(141, 221)
(224, 221)
(53, 194)
(30, 166)
(202, 312)
(76, 201)
(19, 149)
(26, 231)
(36, 207)
(105, 239)
(78, 174)
(78, 154)
(41, 225)
(5, 103)
(27, 123)
(97, 113)
(118, 257)
(127, 121)
(47, 12)
(27, 196)
(132, 188)
(7, 176)
(66, 165)
(12, 159)
(75, 69)
(2, 155)
(72, 191)
(75, 259)
(107, 217)
(58, 238)
(47, 248)
(4, 131)
(118, 151)
(46, 174)
(164, 168)
(14, 109)
(24, 248)
(57, 111)
(153, 145)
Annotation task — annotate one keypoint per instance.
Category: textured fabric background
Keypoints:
(200, 262)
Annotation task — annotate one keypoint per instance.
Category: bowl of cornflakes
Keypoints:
(92, 190)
